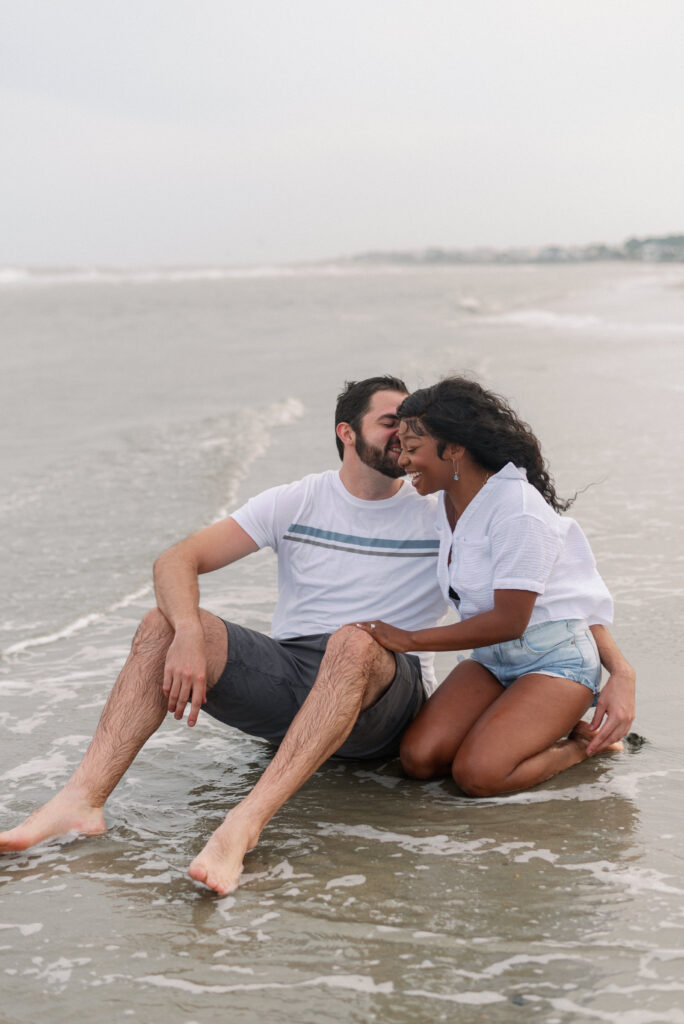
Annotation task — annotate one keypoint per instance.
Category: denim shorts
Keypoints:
(565, 649)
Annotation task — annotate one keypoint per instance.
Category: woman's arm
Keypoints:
(614, 712)
(507, 620)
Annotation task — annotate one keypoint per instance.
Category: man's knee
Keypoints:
(354, 646)
(153, 636)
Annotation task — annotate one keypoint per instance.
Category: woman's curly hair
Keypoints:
(458, 410)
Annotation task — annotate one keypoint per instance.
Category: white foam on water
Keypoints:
(25, 277)
(439, 845)
(79, 624)
(633, 879)
(59, 971)
(466, 998)
(164, 878)
(346, 881)
(548, 319)
(542, 318)
(25, 929)
(26, 725)
(356, 982)
(586, 1013)
(43, 768)
(663, 955)
(278, 414)
(271, 916)
(388, 781)
(283, 871)
(524, 858)
(232, 968)
(502, 966)
(75, 740)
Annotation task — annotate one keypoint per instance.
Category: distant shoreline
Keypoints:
(661, 249)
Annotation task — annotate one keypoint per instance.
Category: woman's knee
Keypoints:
(415, 760)
(476, 776)
(419, 757)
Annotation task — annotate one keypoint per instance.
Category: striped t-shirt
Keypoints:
(342, 559)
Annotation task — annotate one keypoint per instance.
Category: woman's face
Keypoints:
(428, 471)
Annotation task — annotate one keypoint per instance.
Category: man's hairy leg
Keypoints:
(135, 709)
(354, 673)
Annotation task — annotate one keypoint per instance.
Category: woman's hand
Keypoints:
(614, 711)
(390, 637)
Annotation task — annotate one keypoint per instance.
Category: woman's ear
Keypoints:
(454, 451)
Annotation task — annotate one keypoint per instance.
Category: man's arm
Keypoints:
(177, 591)
(614, 712)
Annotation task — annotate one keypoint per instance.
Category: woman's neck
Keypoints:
(471, 479)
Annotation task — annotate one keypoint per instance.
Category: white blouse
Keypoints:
(509, 538)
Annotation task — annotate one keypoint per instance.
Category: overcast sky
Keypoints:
(217, 131)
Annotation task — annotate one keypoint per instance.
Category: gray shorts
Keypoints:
(266, 681)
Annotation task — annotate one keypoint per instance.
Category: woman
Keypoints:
(524, 581)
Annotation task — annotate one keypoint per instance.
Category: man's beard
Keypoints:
(378, 459)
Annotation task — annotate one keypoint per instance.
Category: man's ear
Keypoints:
(345, 433)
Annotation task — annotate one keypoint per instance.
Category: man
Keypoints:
(352, 545)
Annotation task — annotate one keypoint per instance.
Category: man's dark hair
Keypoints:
(353, 401)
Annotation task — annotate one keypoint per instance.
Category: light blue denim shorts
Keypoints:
(565, 649)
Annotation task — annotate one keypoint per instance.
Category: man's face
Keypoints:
(377, 442)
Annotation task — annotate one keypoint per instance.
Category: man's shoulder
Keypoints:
(311, 483)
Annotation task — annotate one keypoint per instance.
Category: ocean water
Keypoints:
(138, 406)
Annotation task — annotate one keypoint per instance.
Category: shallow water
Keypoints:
(137, 410)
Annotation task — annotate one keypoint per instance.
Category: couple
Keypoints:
(355, 548)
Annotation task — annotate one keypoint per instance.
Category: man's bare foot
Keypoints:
(583, 735)
(219, 864)
(66, 812)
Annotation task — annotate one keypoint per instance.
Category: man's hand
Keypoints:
(185, 673)
(614, 712)
(390, 637)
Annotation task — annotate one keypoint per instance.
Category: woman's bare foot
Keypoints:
(583, 735)
(219, 864)
(66, 812)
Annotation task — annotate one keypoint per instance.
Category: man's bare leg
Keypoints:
(135, 709)
(354, 673)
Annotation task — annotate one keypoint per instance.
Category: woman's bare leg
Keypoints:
(429, 745)
(517, 742)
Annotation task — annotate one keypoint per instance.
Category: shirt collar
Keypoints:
(510, 472)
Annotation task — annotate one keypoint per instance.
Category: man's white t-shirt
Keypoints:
(509, 538)
(342, 559)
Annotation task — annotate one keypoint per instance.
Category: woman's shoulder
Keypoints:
(514, 495)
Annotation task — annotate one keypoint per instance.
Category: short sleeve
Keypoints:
(524, 549)
(266, 516)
